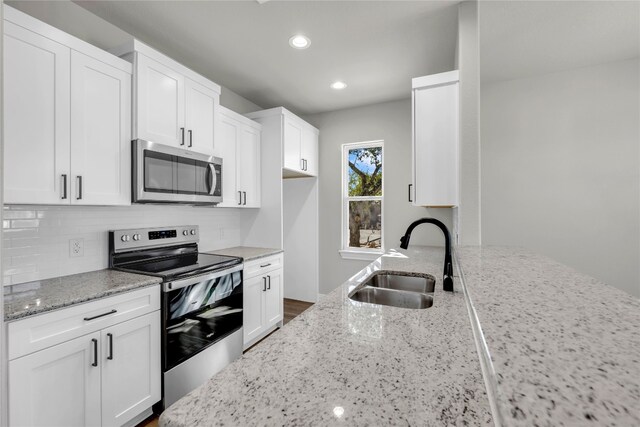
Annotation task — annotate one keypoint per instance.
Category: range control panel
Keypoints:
(142, 238)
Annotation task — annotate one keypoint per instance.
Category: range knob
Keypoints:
(136, 237)
(185, 233)
(125, 238)
(193, 232)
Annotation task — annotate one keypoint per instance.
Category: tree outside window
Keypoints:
(362, 196)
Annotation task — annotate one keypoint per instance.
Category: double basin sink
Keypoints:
(397, 290)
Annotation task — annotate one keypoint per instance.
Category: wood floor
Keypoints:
(292, 309)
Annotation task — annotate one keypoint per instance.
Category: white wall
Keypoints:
(561, 168)
(469, 212)
(391, 122)
(36, 238)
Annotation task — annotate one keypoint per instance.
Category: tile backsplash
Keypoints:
(36, 239)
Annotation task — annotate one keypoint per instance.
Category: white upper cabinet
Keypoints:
(37, 117)
(299, 140)
(200, 112)
(172, 104)
(249, 166)
(67, 118)
(100, 132)
(238, 144)
(160, 103)
(292, 145)
(435, 140)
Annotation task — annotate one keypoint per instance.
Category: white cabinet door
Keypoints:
(253, 307)
(249, 166)
(292, 144)
(309, 151)
(100, 133)
(200, 109)
(227, 135)
(36, 118)
(273, 298)
(435, 145)
(130, 368)
(58, 386)
(160, 103)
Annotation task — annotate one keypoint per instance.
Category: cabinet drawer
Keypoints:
(262, 265)
(39, 332)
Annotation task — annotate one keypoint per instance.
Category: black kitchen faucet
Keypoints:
(447, 280)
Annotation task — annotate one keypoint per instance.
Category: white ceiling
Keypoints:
(520, 39)
(376, 47)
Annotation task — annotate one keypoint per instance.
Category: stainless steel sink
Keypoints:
(393, 297)
(402, 282)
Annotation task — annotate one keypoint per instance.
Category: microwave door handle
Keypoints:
(213, 183)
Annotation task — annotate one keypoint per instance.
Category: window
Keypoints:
(362, 195)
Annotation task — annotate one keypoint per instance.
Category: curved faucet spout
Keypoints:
(447, 279)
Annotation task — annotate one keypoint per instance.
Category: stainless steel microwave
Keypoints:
(165, 174)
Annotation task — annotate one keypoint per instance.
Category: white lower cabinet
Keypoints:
(103, 378)
(58, 386)
(263, 298)
(130, 368)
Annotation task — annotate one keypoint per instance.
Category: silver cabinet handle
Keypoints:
(306, 167)
(410, 185)
(95, 352)
(64, 186)
(182, 137)
(79, 179)
(264, 284)
(240, 196)
(110, 339)
(190, 138)
(269, 285)
(245, 198)
(302, 164)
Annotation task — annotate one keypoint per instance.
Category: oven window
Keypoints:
(201, 314)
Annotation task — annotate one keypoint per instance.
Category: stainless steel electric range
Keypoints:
(201, 302)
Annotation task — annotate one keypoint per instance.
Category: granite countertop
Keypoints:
(564, 348)
(248, 253)
(28, 299)
(345, 362)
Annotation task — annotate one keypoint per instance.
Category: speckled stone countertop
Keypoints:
(248, 253)
(565, 348)
(28, 299)
(348, 363)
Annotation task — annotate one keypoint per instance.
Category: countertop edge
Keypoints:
(486, 365)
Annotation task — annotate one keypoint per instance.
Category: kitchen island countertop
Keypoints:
(345, 362)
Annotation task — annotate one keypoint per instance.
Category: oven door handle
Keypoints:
(178, 284)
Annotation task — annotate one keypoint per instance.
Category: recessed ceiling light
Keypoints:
(338, 85)
(299, 41)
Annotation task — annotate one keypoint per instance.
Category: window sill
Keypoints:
(360, 255)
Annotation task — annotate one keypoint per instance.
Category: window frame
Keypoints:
(347, 252)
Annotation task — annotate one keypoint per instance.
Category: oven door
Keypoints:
(165, 174)
(198, 312)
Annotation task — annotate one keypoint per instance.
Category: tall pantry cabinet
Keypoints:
(288, 218)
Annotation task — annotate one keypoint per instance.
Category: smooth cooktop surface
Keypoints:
(183, 264)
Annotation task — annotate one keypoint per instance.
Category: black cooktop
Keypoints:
(181, 265)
